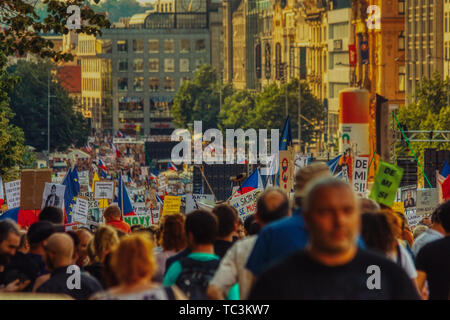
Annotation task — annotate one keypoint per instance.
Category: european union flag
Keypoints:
(71, 193)
(286, 137)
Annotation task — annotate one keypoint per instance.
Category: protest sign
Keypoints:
(192, 201)
(398, 207)
(12, 192)
(140, 209)
(2, 196)
(144, 220)
(83, 178)
(409, 196)
(53, 195)
(172, 205)
(32, 187)
(246, 203)
(104, 190)
(286, 172)
(427, 201)
(360, 168)
(412, 217)
(301, 160)
(386, 183)
(81, 211)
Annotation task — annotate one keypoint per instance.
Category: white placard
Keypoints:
(12, 192)
(104, 190)
(83, 177)
(412, 217)
(360, 167)
(81, 211)
(427, 201)
(192, 199)
(53, 195)
(2, 196)
(301, 160)
(246, 203)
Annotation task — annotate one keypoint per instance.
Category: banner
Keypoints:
(427, 201)
(171, 205)
(12, 192)
(144, 220)
(246, 203)
(286, 170)
(192, 201)
(360, 168)
(386, 183)
(104, 190)
(81, 211)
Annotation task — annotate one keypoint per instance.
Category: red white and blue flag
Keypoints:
(170, 166)
(113, 147)
(101, 165)
(120, 134)
(88, 147)
(253, 182)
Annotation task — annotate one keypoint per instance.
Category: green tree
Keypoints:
(29, 103)
(429, 112)
(237, 110)
(199, 99)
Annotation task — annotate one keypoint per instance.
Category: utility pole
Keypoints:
(285, 88)
(299, 113)
(48, 116)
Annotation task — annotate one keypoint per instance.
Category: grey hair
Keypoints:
(318, 184)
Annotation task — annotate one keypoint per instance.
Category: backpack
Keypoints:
(195, 276)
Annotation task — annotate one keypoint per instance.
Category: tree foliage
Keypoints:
(29, 102)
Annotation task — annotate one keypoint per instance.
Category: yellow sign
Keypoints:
(399, 207)
(171, 205)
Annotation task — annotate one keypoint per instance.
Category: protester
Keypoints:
(368, 205)
(30, 266)
(228, 220)
(433, 260)
(105, 239)
(84, 236)
(418, 230)
(173, 240)
(52, 214)
(435, 232)
(134, 265)
(278, 240)
(332, 266)
(113, 218)
(9, 242)
(59, 257)
(193, 273)
(398, 228)
(379, 236)
(272, 205)
(251, 226)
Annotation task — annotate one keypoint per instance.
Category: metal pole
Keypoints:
(220, 92)
(299, 113)
(48, 116)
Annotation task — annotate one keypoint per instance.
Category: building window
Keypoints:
(122, 45)
(268, 64)
(401, 78)
(200, 45)
(138, 46)
(184, 65)
(153, 84)
(138, 84)
(185, 45)
(446, 22)
(123, 64)
(169, 65)
(169, 84)
(153, 65)
(401, 6)
(122, 84)
(199, 62)
(278, 61)
(153, 46)
(138, 65)
(401, 41)
(168, 46)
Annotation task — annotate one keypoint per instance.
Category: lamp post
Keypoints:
(50, 71)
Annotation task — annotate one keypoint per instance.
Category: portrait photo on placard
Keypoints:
(53, 195)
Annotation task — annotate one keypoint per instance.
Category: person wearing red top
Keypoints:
(113, 219)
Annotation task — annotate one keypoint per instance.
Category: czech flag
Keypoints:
(152, 176)
(101, 165)
(170, 166)
(253, 182)
(88, 147)
(443, 183)
(120, 134)
(333, 163)
(113, 147)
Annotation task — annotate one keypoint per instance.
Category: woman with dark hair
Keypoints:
(172, 241)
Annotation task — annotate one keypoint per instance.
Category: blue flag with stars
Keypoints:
(72, 189)
(286, 137)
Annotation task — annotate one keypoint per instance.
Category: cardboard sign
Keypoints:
(172, 205)
(12, 192)
(246, 203)
(53, 195)
(81, 211)
(360, 168)
(192, 201)
(286, 172)
(386, 183)
(104, 190)
(427, 201)
(32, 187)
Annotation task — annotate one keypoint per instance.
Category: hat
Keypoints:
(40, 231)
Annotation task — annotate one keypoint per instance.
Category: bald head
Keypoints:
(60, 245)
(272, 205)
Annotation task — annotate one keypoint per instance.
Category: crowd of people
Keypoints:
(324, 244)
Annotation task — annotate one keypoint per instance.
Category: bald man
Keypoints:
(85, 236)
(65, 277)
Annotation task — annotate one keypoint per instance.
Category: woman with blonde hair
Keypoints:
(134, 264)
(103, 242)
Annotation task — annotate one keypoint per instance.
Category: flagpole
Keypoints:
(121, 194)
